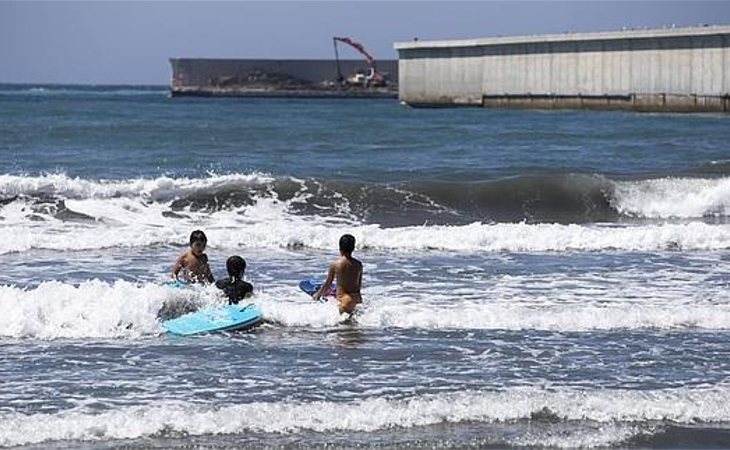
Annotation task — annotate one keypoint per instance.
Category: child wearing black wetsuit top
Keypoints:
(234, 287)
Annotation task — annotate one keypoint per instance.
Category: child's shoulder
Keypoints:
(244, 286)
(222, 282)
(242, 283)
(184, 255)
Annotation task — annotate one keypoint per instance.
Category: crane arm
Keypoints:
(357, 46)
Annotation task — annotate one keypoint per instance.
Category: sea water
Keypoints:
(532, 278)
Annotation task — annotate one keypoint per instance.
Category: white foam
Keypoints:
(682, 405)
(523, 237)
(300, 313)
(655, 198)
(673, 197)
(267, 224)
(116, 223)
(667, 300)
(389, 312)
(121, 309)
(228, 229)
(93, 309)
(133, 213)
(159, 189)
(520, 317)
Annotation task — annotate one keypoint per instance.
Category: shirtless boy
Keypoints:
(348, 272)
(194, 262)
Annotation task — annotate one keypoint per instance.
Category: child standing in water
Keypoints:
(192, 265)
(348, 272)
(234, 287)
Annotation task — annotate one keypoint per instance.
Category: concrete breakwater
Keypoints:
(275, 78)
(673, 70)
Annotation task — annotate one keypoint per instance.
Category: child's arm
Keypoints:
(208, 274)
(327, 283)
(177, 266)
(359, 279)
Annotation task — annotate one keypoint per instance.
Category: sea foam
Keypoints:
(93, 309)
(611, 407)
(269, 224)
(125, 310)
(673, 197)
(133, 213)
(160, 189)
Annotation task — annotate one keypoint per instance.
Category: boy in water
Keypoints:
(194, 262)
(348, 272)
(234, 287)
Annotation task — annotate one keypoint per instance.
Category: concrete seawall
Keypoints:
(674, 70)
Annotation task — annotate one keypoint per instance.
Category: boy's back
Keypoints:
(349, 275)
(348, 272)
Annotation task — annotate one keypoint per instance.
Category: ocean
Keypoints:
(531, 278)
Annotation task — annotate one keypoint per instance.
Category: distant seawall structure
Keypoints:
(673, 70)
(274, 78)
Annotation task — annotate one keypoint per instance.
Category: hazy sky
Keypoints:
(105, 42)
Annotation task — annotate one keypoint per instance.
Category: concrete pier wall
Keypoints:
(652, 70)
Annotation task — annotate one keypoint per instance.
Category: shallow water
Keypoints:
(531, 278)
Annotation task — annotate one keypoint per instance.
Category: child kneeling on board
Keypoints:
(234, 287)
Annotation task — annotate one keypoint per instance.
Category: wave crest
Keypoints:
(622, 408)
(673, 198)
(558, 198)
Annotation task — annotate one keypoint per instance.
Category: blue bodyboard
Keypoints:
(218, 318)
(312, 286)
(179, 284)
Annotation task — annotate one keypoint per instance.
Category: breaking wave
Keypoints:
(568, 198)
(616, 416)
(93, 309)
(673, 198)
(57, 212)
(127, 310)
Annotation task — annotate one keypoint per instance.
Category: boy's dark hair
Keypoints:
(236, 266)
(198, 236)
(347, 243)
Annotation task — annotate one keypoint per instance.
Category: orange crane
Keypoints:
(372, 78)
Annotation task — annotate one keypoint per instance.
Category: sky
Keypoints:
(108, 42)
